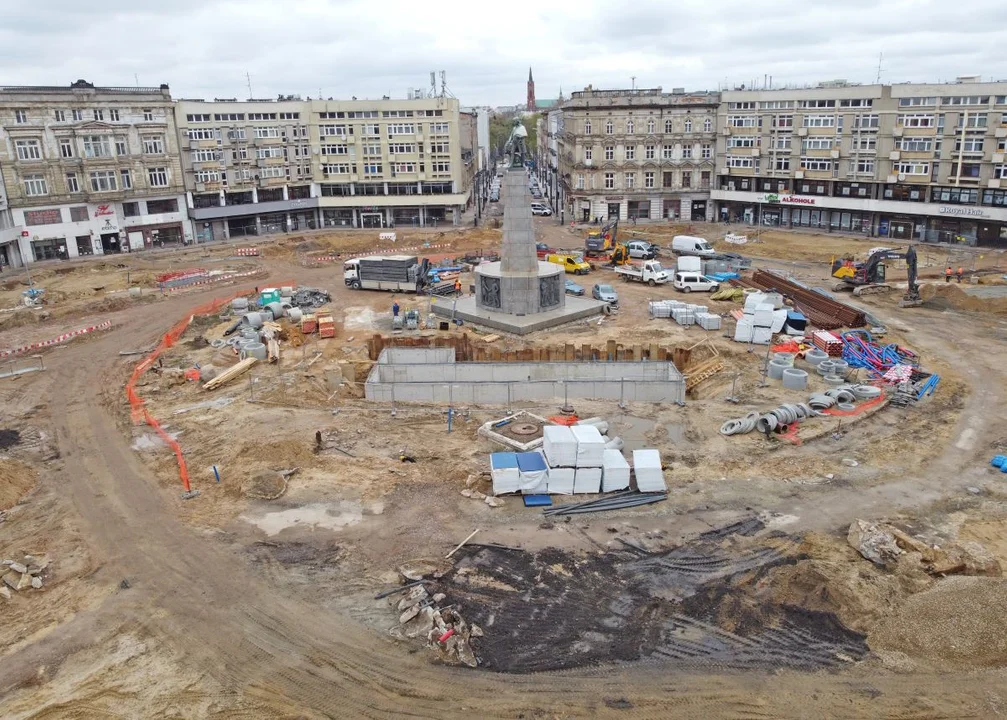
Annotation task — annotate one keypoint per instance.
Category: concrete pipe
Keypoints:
(815, 356)
(295, 314)
(865, 392)
(776, 368)
(766, 423)
(834, 380)
(794, 379)
(256, 350)
(846, 407)
(840, 367)
(239, 305)
(255, 319)
(786, 357)
(275, 309)
(218, 343)
(615, 443)
(249, 334)
(825, 367)
(599, 422)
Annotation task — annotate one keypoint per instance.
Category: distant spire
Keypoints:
(530, 78)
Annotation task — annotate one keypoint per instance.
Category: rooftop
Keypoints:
(84, 86)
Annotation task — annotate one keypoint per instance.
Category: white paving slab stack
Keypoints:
(561, 480)
(504, 472)
(614, 471)
(560, 446)
(590, 446)
(587, 480)
(647, 468)
(534, 473)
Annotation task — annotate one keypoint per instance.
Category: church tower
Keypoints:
(531, 92)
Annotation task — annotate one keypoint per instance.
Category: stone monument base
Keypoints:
(465, 309)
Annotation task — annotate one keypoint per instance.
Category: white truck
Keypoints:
(396, 273)
(649, 272)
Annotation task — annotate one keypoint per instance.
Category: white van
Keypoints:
(691, 245)
(540, 209)
(693, 281)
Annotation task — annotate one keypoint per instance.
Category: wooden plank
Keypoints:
(494, 338)
(230, 374)
(610, 350)
(653, 352)
(570, 353)
(638, 352)
(587, 352)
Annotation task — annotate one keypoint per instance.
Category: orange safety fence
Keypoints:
(138, 413)
(860, 408)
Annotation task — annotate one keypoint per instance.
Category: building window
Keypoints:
(609, 181)
(667, 152)
(861, 144)
(127, 179)
(371, 149)
(439, 128)
(704, 180)
(335, 168)
(588, 153)
(687, 152)
(72, 185)
(816, 164)
(707, 151)
(742, 121)
(609, 128)
(955, 195)
(372, 169)
(865, 166)
(667, 126)
(66, 148)
(687, 179)
(206, 155)
(688, 125)
(667, 179)
(113, 115)
(630, 152)
(78, 213)
(157, 177)
(609, 152)
(1000, 172)
(974, 120)
(148, 114)
(739, 161)
(407, 167)
(580, 181)
(205, 134)
(290, 116)
(261, 116)
(817, 103)
(707, 125)
(400, 129)
(783, 121)
(440, 167)
(121, 147)
(35, 185)
(273, 172)
(648, 179)
(345, 149)
(969, 145)
(103, 181)
(20, 116)
(207, 176)
(915, 120)
(160, 207)
(630, 180)
(912, 168)
(372, 129)
(817, 143)
(587, 127)
(268, 152)
(96, 146)
(28, 150)
(59, 115)
(131, 209)
(78, 115)
(408, 148)
(98, 114)
(819, 121)
(153, 145)
(629, 126)
(648, 152)
(783, 163)
(273, 132)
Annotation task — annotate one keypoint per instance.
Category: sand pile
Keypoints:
(15, 480)
(949, 296)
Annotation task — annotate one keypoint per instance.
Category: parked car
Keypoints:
(573, 288)
(693, 281)
(540, 209)
(605, 293)
(642, 250)
(691, 245)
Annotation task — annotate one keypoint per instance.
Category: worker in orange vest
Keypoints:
(947, 275)
(960, 273)
(458, 286)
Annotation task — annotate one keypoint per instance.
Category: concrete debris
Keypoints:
(974, 490)
(5, 592)
(417, 570)
(409, 614)
(36, 582)
(23, 575)
(874, 543)
(18, 581)
(18, 567)
(850, 462)
(476, 631)
(494, 502)
(439, 597)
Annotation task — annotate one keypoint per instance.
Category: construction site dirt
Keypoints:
(740, 595)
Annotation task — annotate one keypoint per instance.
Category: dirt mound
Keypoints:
(948, 296)
(279, 454)
(265, 485)
(962, 619)
(15, 480)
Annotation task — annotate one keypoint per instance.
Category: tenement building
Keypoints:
(638, 154)
(923, 162)
(262, 166)
(90, 170)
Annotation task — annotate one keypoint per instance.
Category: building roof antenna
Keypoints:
(248, 79)
(877, 80)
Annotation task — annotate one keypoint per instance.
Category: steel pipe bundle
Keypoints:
(860, 350)
(615, 501)
(844, 315)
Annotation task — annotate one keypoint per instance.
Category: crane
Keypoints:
(868, 277)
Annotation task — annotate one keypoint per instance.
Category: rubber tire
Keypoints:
(651, 282)
(355, 285)
(687, 289)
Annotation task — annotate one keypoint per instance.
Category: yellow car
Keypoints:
(573, 264)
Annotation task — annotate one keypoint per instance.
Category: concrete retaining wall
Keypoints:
(425, 377)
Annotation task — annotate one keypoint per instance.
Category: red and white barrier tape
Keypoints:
(247, 251)
(57, 340)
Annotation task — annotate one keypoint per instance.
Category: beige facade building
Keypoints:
(909, 161)
(637, 154)
(89, 170)
(266, 166)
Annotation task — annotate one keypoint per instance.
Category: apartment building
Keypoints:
(90, 170)
(262, 166)
(637, 153)
(909, 161)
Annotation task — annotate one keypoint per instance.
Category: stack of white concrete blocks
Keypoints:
(756, 326)
(662, 308)
(685, 315)
(614, 471)
(648, 471)
(708, 321)
(576, 457)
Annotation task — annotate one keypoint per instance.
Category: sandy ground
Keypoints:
(231, 605)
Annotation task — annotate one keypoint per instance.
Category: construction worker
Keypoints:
(947, 274)
(458, 286)
(395, 308)
(961, 272)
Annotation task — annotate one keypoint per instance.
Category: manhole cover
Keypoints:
(524, 428)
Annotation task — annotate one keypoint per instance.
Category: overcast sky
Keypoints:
(341, 48)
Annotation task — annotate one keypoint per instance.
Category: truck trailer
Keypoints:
(395, 273)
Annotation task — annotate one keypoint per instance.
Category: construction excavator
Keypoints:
(868, 277)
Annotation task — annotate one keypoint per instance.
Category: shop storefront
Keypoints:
(638, 209)
(699, 210)
(337, 217)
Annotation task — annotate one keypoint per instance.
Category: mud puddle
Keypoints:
(328, 516)
(702, 603)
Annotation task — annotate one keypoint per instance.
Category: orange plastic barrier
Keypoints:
(138, 413)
